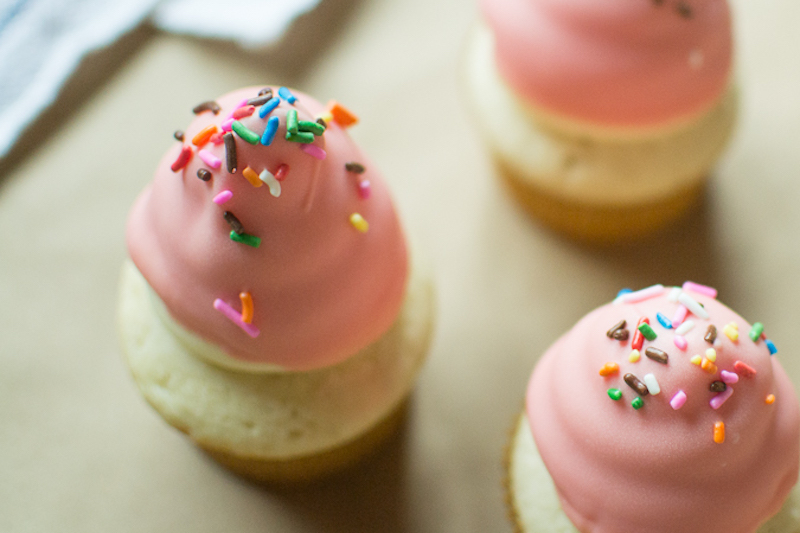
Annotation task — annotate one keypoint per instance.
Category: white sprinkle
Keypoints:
(273, 184)
(685, 328)
(673, 294)
(652, 384)
(640, 295)
(692, 305)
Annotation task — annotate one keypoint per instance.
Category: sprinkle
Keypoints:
(647, 331)
(708, 366)
(242, 112)
(300, 137)
(692, 305)
(685, 328)
(242, 103)
(226, 124)
(756, 331)
(679, 316)
(261, 99)
(770, 399)
(680, 342)
(638, 338)
(717, 344)
(183, 159)
(364, 190)
(717, 401)
(717, 386)
(209, 159)
(287, 95)
(265, 90)
(652, 384)
(210, 105)
(637, 403)
(659, 356)
(341, 115)
(231, 219)
(614, 394)
(326, 117)
(268, 107)
(314, 151)
(273, 184)
(609, 369)
(313, 127)
(356, 168)
(230, 152)
(204, 174)
(270, 130)
(178, 135)
(621, 335)
(204, 135)
(616, 327)
(321, 122)
(678, 400)
(359, 223)
(641, 295)
(719, 432)
(731, 331)
(711, 355)
(711, 334)
(744, 370)
(282, 172)
(634, 356)
(634, 383)
(244, 238)
(673, 294)
(251, 176)
(216, 139)
(235, 317)
(771, 347)
(663, 320)
(696, 360)
(705, 290)
(729, 377)
(684, 10)
(223, 197)
(291, 121)
(247, 307)
(246, 134)
(626, 290)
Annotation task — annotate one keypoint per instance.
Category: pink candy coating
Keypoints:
(680, 341)
(678, 400)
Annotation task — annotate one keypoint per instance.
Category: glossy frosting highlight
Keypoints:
(658, 469)
(321, 288)
(617, 63)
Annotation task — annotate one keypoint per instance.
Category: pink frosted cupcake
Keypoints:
(660, 412)
(270, 310)
(605, 116)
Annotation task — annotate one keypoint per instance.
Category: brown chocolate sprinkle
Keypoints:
(619, 325)
(717, 386)
(204, 174)
(636, 384)
(211, 105)
(684, 10)
(711, 334)
(178, 135)
(260, 100)
(659, 356)
(265, 90)
(230, 152)
(356, 168)
(236, 226)
(321, 122)
(621, 335)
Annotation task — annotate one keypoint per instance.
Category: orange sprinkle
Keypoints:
(341, 115)
(770, 399)
(247, 307)
(708, 366)
(608, 369)
(252, 177)
(205, 134)
(719, 432)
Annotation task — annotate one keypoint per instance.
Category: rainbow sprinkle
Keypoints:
(235, 317)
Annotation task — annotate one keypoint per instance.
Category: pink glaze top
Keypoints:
(321, 289)
(690, 459)
(614, 62)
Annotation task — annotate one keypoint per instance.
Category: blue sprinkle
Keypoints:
(623, 291)
(267, 108)
(269, 131)
(287, 95)
(664, 321)
(771, 347)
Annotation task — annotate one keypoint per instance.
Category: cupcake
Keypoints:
(271, 309)
(604, 116)
(661, 412)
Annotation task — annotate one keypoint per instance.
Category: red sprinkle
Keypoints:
(183, 159)
(364, 190)
(217, 138)
(245, 111)
(744, 370)
(638, 338)
(282, 172)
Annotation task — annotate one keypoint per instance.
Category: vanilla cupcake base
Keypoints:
(276, 426)
(593, 183)
(533, 503)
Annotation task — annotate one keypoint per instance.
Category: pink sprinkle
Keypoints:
(717, 401)
(314, 151)
(209, 159)
(364, 190)
(679, 316)
(217, 138)
(744, 370)
(226, 126)
(223, 197)
(242, 112)
(282, 172)
(711, 292)
(240, 104)
(643, 294)
(235, 317)
(729, 377)
(678, 400)
(680, 341)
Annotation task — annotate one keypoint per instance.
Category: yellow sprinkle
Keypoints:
(770, 399)
(719, 432)
(731, 332)
(252, 177)
(696, 360)
(327, 117)
(247, 307)
(634, 356)
(711, 354)
(608, 369)
(359, 223)
(708, 366)
(734, 325)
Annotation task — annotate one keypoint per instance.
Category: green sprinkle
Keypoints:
(244, 238)
(614, 394)
(300, 137)
(242, 131)
(756, 331)
(314, 127)
(291, 121)
(637, 403)
(647, 331)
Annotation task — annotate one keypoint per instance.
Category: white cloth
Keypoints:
(43, 41)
